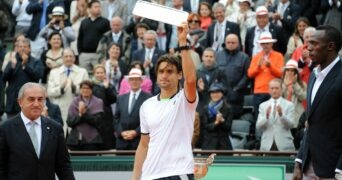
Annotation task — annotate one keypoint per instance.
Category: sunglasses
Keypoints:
(193, 21)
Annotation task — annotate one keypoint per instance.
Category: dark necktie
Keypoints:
(132, 103)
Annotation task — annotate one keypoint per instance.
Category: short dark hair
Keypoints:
(92, 2)
(87, 83)
(332, 34)
(170, 59)
(117, 45)
(134, 63)
(50, 37)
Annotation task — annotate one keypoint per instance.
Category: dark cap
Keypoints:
(216, 86)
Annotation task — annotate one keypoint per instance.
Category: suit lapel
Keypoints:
(309, 90)
(126, 102)
(325, 86)
(45, 134)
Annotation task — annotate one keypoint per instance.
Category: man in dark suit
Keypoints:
(285, 14)
(20, 70)
(149, 55)
(320, 154)
(126, 118)
(32, 147)
(252, 47)
(218, 31)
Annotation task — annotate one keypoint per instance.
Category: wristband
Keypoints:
(186, 47)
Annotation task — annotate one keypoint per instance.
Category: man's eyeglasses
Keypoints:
(193, 21)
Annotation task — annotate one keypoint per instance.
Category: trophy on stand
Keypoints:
(201, 166)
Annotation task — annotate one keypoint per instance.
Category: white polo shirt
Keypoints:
(170, 125)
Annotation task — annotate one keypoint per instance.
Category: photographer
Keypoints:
(58, 23)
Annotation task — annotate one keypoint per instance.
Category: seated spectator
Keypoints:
(59, 23)
(107, 93)
(53, 57)
(85, 116)
(206, 15)
(217, 120)
(23, 20)
(146, 85)
(297, 39)
(294, 89)
(275, 120)
(127, 119)
(115, 65)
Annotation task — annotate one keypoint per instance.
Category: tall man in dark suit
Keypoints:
(252, 47)
(149, 55)
(32, 147)
(126, 119)
(218, 31)
(320, 154)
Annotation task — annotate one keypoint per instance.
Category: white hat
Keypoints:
(261, 10)
(58, 11)
(291, 64)
(249, 1)
(134, 73)
(266, 37)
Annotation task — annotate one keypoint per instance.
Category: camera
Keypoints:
(57, 22)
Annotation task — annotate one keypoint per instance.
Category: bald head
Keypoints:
(116, 24)
(232, 42)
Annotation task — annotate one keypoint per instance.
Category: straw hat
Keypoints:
(58, 11)
(291, 64)
(266, 37)
(261, 10)
(135, 73)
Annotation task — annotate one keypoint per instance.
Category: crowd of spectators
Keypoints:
(97, 61)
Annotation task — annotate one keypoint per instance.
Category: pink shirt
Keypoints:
(146, 86)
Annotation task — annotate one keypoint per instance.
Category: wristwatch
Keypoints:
(186, 47)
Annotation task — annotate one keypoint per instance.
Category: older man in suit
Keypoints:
(32, 147)
(275, 120)
(126, 119)
(252, 47)
(149, 55)
(320, 154)
(218, 31)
